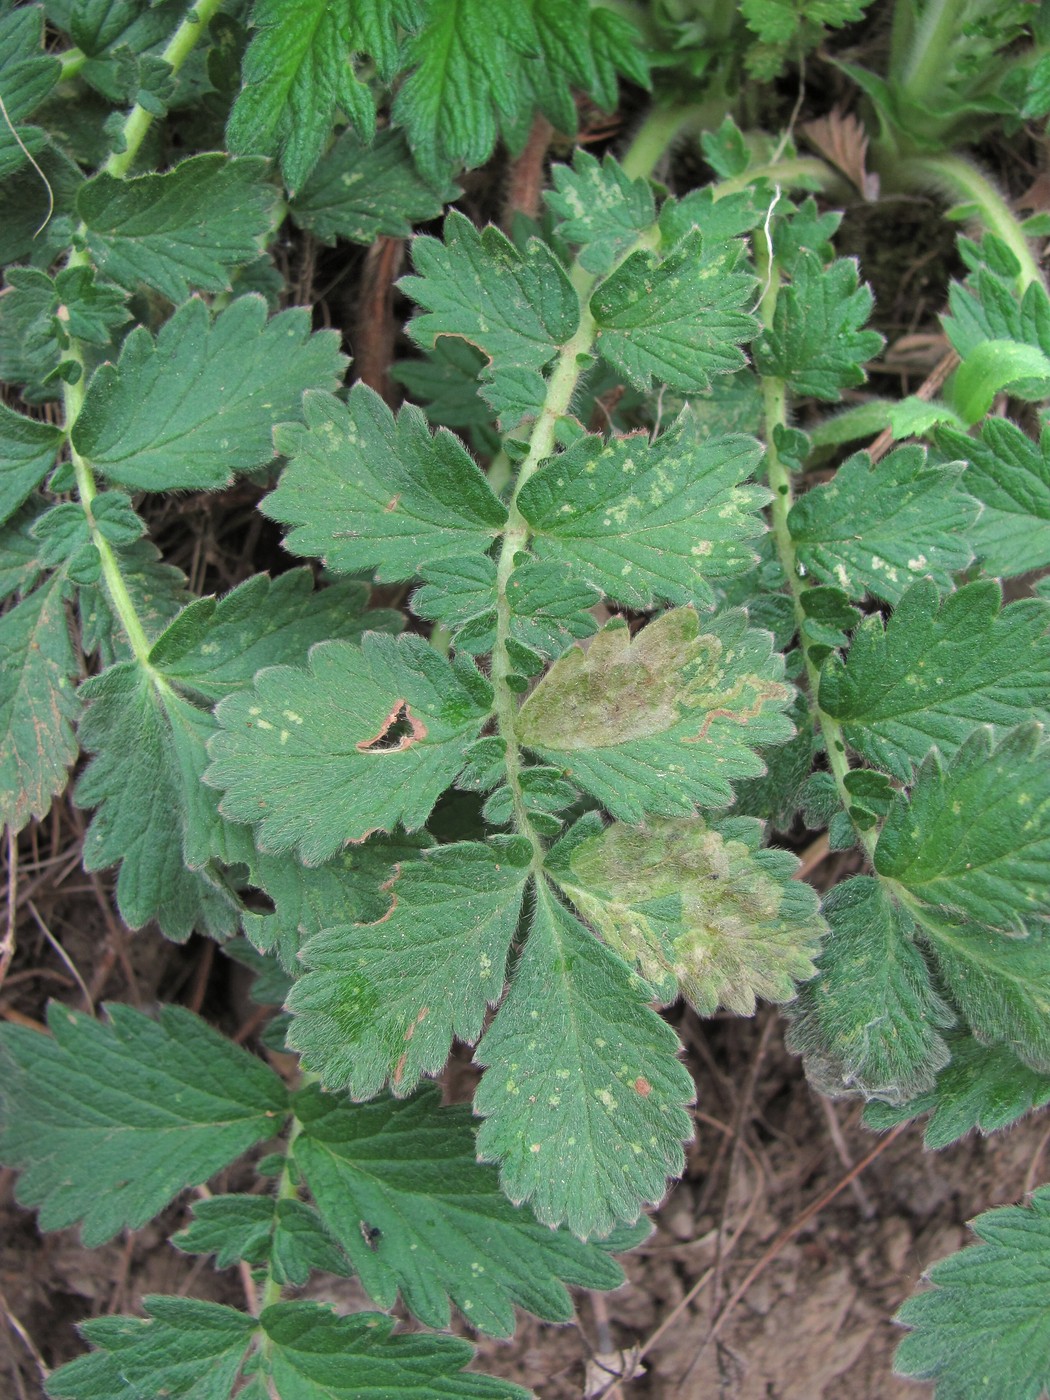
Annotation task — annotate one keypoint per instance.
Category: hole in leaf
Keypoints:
(400, 730)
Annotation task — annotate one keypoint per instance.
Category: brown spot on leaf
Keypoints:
(643, 1087)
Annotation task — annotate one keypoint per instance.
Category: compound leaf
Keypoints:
(973, 838)
(286, 1235)
(870, 1019)
(398, 1183)
(367, 491)
(517, 307)
(382, 1001)
(181, 231)
(360, 192)
(880, 529)
(700, 910)
(27, 75)
(936, 671)
(982, 1086)
(815, 343)
(28, 449)
(37, 703)
(645, 522)
(297, 73)
(678, 319)
(366, 738)
(584, 1097)
(599, 208)
(983, 1329)
(187, 410)
(110, 1120)
(184, 1349)
(661, 723)
(315, 1355)
(1010, 475)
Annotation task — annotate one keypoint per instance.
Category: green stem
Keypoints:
(287, 1190)
(960, 180)
(774, 401)
(72, 61)
(922, 72)
(799, 171)
(138, 120)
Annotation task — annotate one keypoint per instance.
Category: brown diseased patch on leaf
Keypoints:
(399, 731)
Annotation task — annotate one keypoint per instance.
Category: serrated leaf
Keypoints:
(382, 1001)
(880, 529)
(871, 1019)
(310, 756)
(678, 319)
(181, 231)
(196, 405)
(599, 208)
(315, 1355)
(515, 306)
(27, 75)
(984, 1329)
(584, 1098)
(109, 1120)
(216, 645)
(37, 703)
(936, 670)
(19, 556)
(645, 521)
(1010, 475)
(661, 723)
(136, 729)
(183, 1349)
(27, 453)
(815, 343)
(297, 73)
(399, 1185)
(359, 191)
(973, 837)
(982, 1086)
(463, 75)
(701, 910)
(367, 491)
(285, 1235)
(29, 351)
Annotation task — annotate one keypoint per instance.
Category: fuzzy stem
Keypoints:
(790, 174)
(138, 120)
(286, 1191)
(774, 400)
(923, 69)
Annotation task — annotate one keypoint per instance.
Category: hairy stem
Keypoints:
(774, 400)
(287, 1190)
(923, 69)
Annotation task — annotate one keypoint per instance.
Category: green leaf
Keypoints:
(599, 208)
(183, 1350)
(644, 522)
(870, 1020)
(28, 449)
(984, 1329)
(816, 344)
(37, 703)
(29, 349)
(383, 1000)
(1010, 475)
(216, 645)
(701, 910)
(663, 722)
(86, 309)
(364, 490)
(879, 529)
(297, 73)
(936, 670)
(983, 1086)
(315, 1355)
(399, 1185)
(584, 1097)
(27, 75)
(110, 1120)
(136, 730)
(678, 319)
(463, 76)
(973, 838)
(199, 403)
(995, 366)
(158, 592)
(285, 1235)
(517, 307)
(182, 231)
(359, 192)
(366, 738)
